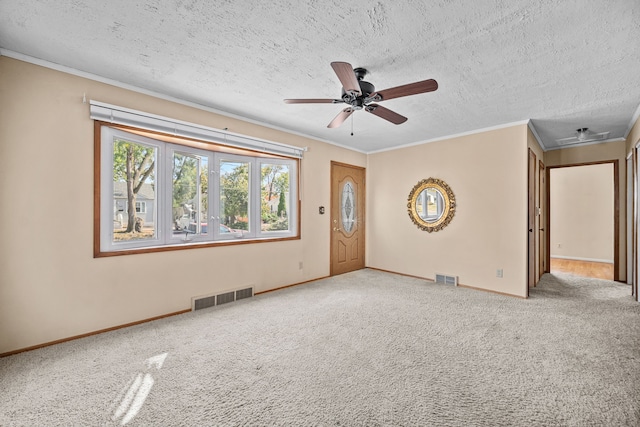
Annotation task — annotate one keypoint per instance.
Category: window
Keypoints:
(132, 175)
(235, 176)
(189, 193)
(275, 195)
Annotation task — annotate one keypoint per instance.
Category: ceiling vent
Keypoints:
(583, 135)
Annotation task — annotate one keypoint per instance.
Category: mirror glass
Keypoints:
(431, 204)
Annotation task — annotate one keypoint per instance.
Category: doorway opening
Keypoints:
(583, 229)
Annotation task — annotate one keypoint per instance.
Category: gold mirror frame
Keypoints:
(449, 204)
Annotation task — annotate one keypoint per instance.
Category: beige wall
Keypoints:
(582, 212)
(50, 285)
(596, 153)
(634, 136)
(487, 174)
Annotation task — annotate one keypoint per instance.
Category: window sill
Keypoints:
(97, 253)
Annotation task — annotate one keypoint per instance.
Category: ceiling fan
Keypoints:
(583, 135)
(362, 95)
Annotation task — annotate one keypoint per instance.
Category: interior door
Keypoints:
(531, 258)
(636, 218)
(347, 218)
(630, 223)
(541, 220)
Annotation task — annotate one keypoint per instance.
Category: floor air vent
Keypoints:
(198, 303)
(447, 280)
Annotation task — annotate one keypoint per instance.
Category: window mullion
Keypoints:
(214, 194)
(256, 198)
(167, 201)
(259, 196)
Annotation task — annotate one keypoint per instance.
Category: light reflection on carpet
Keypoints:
(138, 392)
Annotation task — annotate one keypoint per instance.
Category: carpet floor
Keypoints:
(366, 348)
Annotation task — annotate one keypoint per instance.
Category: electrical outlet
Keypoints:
(300, 265)
(499, 272)
(559, 245)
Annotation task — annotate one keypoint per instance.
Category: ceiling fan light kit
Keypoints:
(361, 95)
(583, 135)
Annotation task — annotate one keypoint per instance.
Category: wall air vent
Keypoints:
(446, 279)
(205, 301)
(225, 298)
(244, 293)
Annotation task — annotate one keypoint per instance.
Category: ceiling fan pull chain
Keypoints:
(352, 125)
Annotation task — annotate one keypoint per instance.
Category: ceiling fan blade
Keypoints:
(313, 101)
(405, 90)
(385, 113)
(340, 118)
(347, 77)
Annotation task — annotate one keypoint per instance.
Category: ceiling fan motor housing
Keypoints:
(366, 89)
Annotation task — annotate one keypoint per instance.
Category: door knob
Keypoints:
(336, 229)
(531, 230)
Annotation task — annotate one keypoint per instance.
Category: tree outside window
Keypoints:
(234, 194)
(274, 192)
(133, 165)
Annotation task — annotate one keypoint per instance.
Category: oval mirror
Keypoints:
(431, 204)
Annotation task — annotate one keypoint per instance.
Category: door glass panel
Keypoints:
(348, 207)
(275, 197)
(189, 186)
(234, 196)
(134, 191)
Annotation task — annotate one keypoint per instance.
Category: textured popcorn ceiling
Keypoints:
(563, 64)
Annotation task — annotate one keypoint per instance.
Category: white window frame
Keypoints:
(165, 237)
(249, 234)
(107, 218)
(178, 238)
(293, 189)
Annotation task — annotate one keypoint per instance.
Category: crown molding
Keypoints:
(94, 77)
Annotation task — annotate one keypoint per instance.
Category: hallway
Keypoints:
(597, 270)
